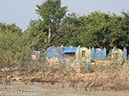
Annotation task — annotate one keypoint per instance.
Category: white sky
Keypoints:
(21, 11)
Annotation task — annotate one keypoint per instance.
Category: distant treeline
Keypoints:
(95, 29)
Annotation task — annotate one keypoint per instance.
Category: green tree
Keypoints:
(68, 31)
(36, 34)
(12, 28)
(102, 30)
(52, 13)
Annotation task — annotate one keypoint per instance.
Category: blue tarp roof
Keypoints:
(70, 49)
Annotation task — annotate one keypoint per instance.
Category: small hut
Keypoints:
(118, 54)
(54, 54)
(51, 54)
(98, 53)
(83, 54)
(69, 51)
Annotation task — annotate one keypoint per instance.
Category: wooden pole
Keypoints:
(49, 35)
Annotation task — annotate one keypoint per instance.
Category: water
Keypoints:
(37, 89)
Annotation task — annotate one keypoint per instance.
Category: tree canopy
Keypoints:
(96, 29)
(51, 12)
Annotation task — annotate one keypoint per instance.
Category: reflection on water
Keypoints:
(38, 89)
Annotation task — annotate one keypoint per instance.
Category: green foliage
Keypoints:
(14, 80)
(96, 29)
(51, 12)
(26, 81)
(4, 28)
(13, 46)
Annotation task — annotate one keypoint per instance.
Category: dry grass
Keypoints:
(102, 75)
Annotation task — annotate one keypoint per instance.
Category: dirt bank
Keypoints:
(101, 75)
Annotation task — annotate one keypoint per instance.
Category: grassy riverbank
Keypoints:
(103, 75)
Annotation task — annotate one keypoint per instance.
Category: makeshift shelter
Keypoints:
(53, 54)
(69, 51)
(98, 53)
(118, 54)
(83, 54)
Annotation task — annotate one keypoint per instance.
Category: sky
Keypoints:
(21, 12)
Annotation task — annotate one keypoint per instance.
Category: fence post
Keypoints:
(125, 53)
(87, 66)
(61, 51)
(93, 52)
(104, 53)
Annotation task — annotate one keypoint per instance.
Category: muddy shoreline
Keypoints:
(54, 90)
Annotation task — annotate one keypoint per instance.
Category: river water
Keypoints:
(38, 89)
